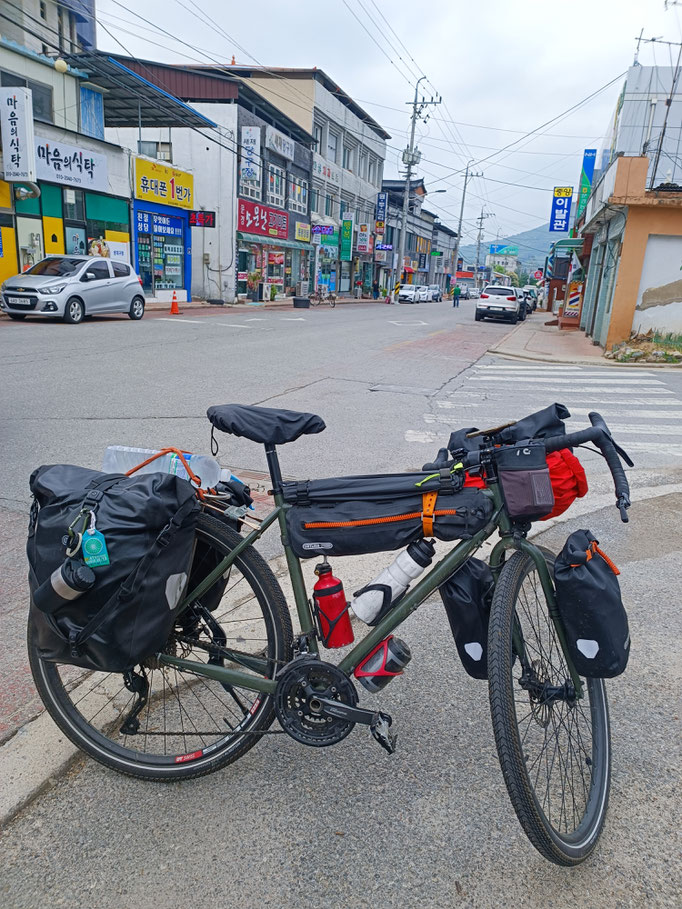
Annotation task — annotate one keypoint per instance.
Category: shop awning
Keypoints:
(272, 241)
(408, 269)
(131, 100)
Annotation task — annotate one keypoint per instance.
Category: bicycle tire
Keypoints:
(332, 303)
(236, 725)
(562, 840)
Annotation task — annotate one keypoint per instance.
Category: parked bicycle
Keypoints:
(232, 662)
(322, 295)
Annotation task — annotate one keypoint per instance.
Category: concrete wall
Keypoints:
(659, 299)
(214, 169)
(294, 97)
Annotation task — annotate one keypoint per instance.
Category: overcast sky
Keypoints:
(503, 67)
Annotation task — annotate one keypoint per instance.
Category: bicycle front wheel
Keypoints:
(187, 725)
(554, 748)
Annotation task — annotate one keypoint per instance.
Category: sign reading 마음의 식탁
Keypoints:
(561, 209)
(16, 131)
(70, 165)
(254, 218)
(163, 183)
(346, 240)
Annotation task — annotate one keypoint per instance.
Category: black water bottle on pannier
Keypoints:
(66, 583)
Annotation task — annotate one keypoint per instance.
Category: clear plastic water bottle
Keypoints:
(122, 458)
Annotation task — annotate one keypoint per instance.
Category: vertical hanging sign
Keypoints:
(16, 130)
(589, 157)
(561, 208)
(346, 240)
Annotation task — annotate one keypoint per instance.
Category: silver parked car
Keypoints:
(72, 287)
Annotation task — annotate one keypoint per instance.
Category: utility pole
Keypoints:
(467, 177)
(481, 218)
(411, 157)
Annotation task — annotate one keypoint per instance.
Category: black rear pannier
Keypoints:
(148, 524)
(364, 514)
(467, 597)
(590, 607)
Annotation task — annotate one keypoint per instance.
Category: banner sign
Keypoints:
(586, 174)
(421, 262)
(363, 238)
(382, 206)
(157, 182)
(59, 163)
(323, 229)
(254, 218)
(500, 249)
(346, 239)
(302, 231)
(16, 131)
(278, 142)
(561, 209)
(329, 239)
(249, 168)
(384, 246)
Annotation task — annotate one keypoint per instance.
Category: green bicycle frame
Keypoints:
(437, 575)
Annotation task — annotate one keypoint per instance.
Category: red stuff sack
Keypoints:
(568, 480)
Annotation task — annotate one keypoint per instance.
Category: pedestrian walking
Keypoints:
(455, 296)
(375, 290)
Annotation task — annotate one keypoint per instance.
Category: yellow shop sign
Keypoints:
(163, 184)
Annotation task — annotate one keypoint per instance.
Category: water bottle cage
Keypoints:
(318, 612)
(387, 603)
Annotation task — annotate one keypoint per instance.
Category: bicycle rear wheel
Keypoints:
(188, 725)
(554, 748)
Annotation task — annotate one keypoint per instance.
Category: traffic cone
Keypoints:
(175, 309)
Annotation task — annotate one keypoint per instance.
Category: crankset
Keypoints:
(316, 704)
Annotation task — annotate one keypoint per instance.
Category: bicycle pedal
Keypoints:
(380, 728)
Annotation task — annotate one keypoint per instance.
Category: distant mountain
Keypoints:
(533, 246)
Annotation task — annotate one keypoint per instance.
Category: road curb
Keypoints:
(39, 753)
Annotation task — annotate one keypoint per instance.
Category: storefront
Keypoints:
(164, 196)
(268, 263)
(76, 212)
(327, 240)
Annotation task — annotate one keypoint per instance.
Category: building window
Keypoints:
(347, 158)
(74, 204)
(163, 151)
(298, 194)
(329, 205)
(362, 167)
(317, 132)
(372, 171)
(332, 146)
(42, 94)
(315, 199)
(276, 185)
(250, 188)
(43, 10)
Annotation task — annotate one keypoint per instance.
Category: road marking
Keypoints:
(648, 414)
(420, 435)
(604, 373)
(556, 369)
(573, 379)
(631, 429)
(655, 447)
(254, 320)
(296, 319)
(186, 321)
(230, 325)
(408, 323)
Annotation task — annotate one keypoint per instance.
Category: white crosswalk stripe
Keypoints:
(639, 405)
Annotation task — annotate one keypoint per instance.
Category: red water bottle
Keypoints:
(332, 608)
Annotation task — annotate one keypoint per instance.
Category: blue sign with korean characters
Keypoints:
(561, 209)
(382, 205)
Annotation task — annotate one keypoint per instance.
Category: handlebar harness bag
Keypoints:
(524, 477)
(568, 480)
(364, 514)
(590, 608)
(148, 524)
(467, 596)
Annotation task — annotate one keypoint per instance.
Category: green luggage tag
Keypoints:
(94, 546)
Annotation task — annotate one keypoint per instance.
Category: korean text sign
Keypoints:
(157, 182)
(589, 157)
(72, 166)
(561, 208)
(254, 218)
(249, 168)
(16, 130)
(363, 238)
(347, 239)
(382, 204)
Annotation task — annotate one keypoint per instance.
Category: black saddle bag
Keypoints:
(148, 523)
(467, 597)
(355, 515)
(590, 608)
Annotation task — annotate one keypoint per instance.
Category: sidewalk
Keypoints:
(534, 340)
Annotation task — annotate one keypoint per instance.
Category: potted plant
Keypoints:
(252, 281)
(273, 292)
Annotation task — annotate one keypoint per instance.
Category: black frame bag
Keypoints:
(467, 597)
(590, 608)
(149, 524)
(364, 514)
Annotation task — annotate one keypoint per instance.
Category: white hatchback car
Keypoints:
(72, 287)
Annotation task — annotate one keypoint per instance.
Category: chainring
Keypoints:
(298, 685)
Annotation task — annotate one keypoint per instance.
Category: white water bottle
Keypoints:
(395, 580)
(121, 459)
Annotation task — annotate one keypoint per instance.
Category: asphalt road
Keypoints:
(288, 826)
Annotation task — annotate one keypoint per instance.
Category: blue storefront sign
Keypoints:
(163, 251)
(382, 204)
(561, 209)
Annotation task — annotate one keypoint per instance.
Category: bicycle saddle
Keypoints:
(264, 424)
